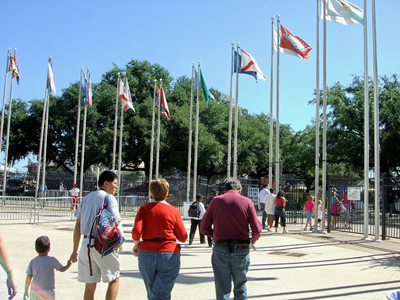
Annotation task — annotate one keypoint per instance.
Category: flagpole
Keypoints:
(78, 121)
(324, 118)
(8, 133)
(376, 122)
(316, 180)
(366, 127)
(120, 144)
(152, 137)
(4, 107)
(234, 173)
(115, 125)
(42, 132)
(158, 132)
(84, 136)
(228, 169)
(196, 135)
(277, 156)
(46, 126)
(190, 136)
(271, 107)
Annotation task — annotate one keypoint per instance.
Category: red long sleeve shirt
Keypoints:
(159, 220)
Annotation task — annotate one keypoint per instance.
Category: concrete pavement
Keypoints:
(298, 265)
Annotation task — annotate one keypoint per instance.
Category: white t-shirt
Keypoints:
(264, 192)
(202, 211)
(74, 192)
(89, 208)
(269, 204)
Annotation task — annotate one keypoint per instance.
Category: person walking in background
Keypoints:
(61, 189)
(159, 224)
(214, 193)
(308, 211)
(335, 209)
(40, 272)
(347, 205)
(93, 266)
(74, 192)
(195, 222)
(280, 204)
(227, 220)
(261, 204)
(270, 209)
(320, 211)
(6, 265)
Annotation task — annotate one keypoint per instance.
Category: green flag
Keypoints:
(203, 86)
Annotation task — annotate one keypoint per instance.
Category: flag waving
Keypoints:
(50, 79)
(162, 103)
(14, 67)
(203, 86)
(290, 44)
(88, 90)
(248, 65)
(342, 12)
(126, 95)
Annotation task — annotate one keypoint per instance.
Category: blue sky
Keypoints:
(176, 33)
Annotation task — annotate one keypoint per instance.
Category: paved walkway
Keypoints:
(298, 265)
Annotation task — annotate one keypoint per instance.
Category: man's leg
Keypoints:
(240, 266)
(264, 215)
(193, 227)
(90, 288)
(112, 290)
(202, 238)
(221, 264)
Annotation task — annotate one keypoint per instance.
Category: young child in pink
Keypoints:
(308, 211)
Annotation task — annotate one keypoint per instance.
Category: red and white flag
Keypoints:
(125, 95)
(164, 104)
(290, 44)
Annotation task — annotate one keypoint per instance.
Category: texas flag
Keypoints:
(290, 44)
(248, 65)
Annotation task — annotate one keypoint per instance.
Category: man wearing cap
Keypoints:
(74, 192)
(227, 221)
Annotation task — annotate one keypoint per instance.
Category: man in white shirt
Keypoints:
(270, 208)
(195, 222)
(261, 205)
(74, 192)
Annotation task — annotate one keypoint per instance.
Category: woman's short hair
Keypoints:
(159, 188)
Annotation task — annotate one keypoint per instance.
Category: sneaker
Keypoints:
(305, 229)
(285, 231)
(312, 228)
(275, 232)
(269, 229)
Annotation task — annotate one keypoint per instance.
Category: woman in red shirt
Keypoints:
(280, 204)
(159, 224)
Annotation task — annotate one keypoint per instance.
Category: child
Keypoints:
(308, 211)
(319, 213)
(41, 269)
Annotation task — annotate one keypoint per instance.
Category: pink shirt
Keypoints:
(309, 205)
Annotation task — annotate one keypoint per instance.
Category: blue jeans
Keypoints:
(227, 267)
(159, 271)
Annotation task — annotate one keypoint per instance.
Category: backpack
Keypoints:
(194, 210)
(106, 235)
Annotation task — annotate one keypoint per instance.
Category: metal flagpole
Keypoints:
(228, 169)
(46, 126)
(78, 121)
(324, 119)
(271, 107)
(84, 137)
(196, 135)
(366, 127)
(115, 125)
(120, 143)
(376, 123)
(42, 130)
(158, 132)
(190, 136)
(316, 180)
(234, 171)
(277, 156)
(8, 134)
(152, 138)
(4, 106)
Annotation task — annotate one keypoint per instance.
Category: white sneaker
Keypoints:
(285, 231)
(269, 230)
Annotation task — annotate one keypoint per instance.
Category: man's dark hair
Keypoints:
(271, 190)
(109, 176)
(198, 196)
(232, 184)
(42, 244)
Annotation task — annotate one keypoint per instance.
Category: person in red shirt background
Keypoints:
(159, 224)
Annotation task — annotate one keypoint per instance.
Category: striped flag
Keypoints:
(162, 102)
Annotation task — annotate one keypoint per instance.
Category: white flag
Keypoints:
(50, 80)
(342, 12)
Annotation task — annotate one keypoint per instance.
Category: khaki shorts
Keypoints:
(271, 217)
(106, 267)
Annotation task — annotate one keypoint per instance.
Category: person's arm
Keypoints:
(27, 285)
(255, 224)
(6, 265)
(206, 222)
(137, 231)
(66, 267)
(259, 202)
(76, 240)
(284, 201)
